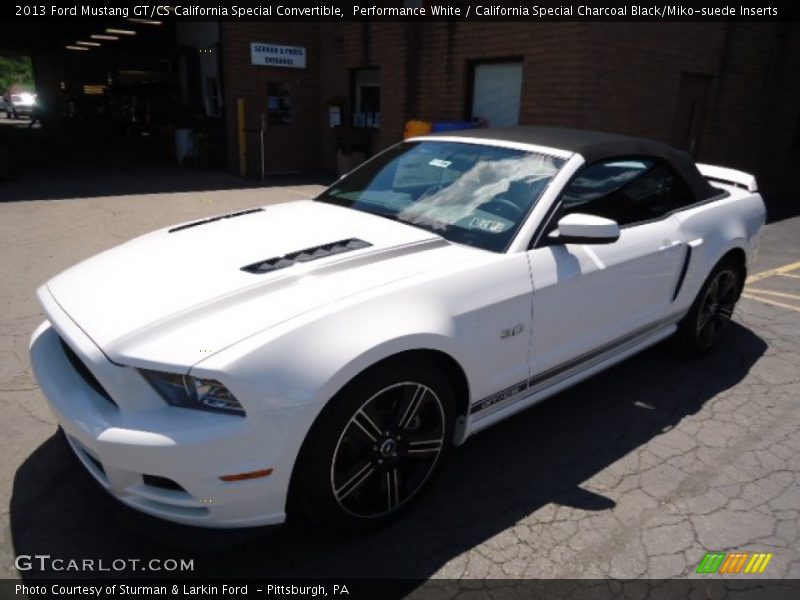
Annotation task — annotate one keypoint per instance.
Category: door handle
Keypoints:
(669, 244)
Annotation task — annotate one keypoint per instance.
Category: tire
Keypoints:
(374, 448)
(704, 325)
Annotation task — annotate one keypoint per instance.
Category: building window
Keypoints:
(367, 98)
(279, 104)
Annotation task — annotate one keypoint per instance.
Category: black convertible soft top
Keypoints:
(597, 145)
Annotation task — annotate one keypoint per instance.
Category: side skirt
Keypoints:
(501, 405)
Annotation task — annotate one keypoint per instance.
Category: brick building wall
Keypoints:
(347, 47)
(287, 146)
(779, 158)
(621, 77)
(633, 73)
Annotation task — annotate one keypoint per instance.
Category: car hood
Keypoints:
(173, 297)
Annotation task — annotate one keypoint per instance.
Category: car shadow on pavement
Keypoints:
(542, 456)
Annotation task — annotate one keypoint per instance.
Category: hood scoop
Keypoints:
(217, 218)
(306, 255)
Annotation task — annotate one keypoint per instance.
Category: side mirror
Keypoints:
(578, 228)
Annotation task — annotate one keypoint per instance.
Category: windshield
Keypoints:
(467, 193)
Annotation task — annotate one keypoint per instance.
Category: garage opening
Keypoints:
(496, 92)
(121, 106)
(17, 86)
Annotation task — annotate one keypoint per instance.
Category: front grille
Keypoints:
(85, 373)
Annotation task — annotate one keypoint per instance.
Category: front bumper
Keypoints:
(22, 109)
(162, 460)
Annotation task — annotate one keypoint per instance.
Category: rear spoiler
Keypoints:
(728, 176)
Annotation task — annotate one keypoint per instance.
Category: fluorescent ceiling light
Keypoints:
(98, 36)
(121, 31)
(82, 43)
(145, 21)
(77, 48)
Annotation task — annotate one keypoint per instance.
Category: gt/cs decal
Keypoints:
(499, 397)
(511, 331)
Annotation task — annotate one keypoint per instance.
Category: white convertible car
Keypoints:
(318, 358)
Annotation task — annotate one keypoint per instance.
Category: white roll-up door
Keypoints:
(496, 93)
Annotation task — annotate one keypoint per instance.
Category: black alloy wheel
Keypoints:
(374, 448)
(388, 449)
(717, 307)
(704, 325)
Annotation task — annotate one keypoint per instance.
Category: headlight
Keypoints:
(192, 392)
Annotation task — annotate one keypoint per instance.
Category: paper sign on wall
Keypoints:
(274, 55)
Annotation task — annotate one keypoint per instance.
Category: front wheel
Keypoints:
(705, 323)
(374, 448)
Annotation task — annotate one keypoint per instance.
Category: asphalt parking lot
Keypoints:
(636, 473)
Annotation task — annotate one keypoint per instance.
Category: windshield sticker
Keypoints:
(487, 225)
(442, 164)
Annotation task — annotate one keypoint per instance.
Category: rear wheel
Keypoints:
(705, 323)
(375, 448)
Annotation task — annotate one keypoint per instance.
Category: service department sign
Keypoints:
(273, 55)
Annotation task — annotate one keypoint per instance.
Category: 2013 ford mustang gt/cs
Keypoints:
(318, 358)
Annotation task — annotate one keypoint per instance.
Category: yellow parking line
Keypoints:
(772, 302)
(777, 271)
(772, 293)
(789, 275)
